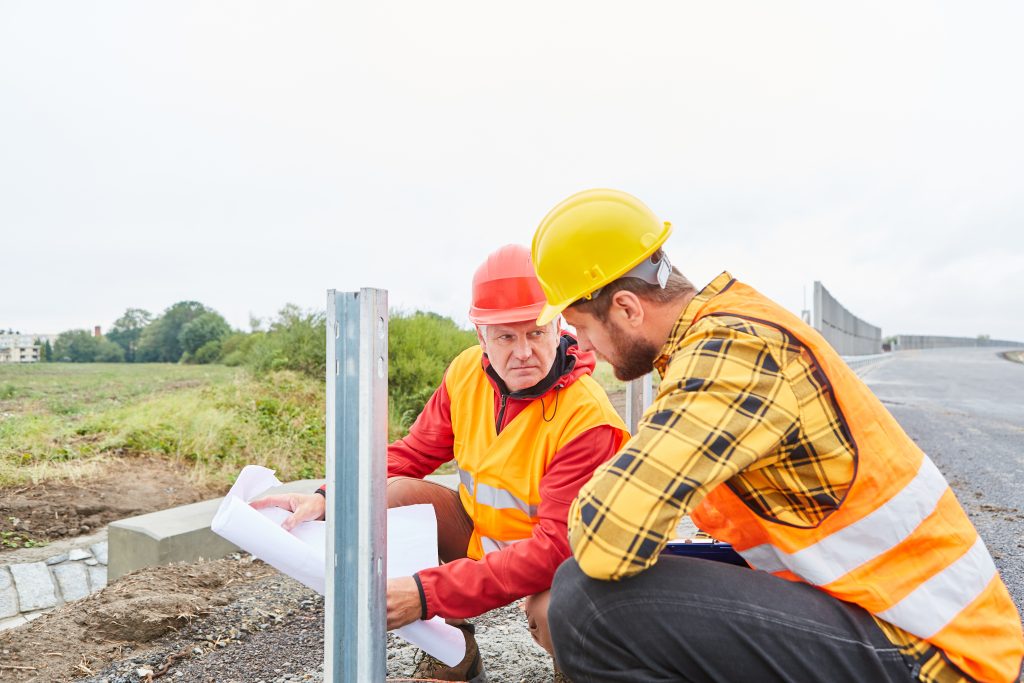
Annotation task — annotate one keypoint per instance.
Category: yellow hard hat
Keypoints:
(589, 240)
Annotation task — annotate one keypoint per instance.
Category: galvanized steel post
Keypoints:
(357, 404)
(639, 394)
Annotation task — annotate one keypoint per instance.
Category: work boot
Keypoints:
(560, 677)
(471, 668)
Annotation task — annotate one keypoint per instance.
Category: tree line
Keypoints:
(420, 346)
(187, 332)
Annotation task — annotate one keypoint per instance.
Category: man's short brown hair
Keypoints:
(677, 286)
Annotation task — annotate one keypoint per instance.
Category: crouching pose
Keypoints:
(867, 568)
(526, 426)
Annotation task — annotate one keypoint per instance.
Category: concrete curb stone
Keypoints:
(79, 554)
(8, 595)
(35, 587)
(32, 583)
(97, 577)
(73, 579)
(99, 551)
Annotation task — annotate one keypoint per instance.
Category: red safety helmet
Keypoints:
(505, 288)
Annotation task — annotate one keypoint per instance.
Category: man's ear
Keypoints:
(480, 337)
(627, 308)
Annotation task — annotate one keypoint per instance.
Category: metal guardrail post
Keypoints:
(639, 394)
(357, 404)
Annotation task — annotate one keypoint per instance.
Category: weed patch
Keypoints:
(14, 538)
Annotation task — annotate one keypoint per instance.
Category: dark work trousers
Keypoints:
(688, 619)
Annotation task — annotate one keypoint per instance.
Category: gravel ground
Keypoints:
(273, 633)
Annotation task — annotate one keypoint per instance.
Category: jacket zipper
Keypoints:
(501, 413)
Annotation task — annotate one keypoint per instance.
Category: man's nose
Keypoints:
(583, 342)
(522, 349)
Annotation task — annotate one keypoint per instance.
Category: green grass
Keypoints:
(59, 420)
(66, 420)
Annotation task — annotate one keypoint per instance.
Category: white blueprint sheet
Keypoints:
(412, 545)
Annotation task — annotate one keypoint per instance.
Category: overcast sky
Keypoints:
(249, 154)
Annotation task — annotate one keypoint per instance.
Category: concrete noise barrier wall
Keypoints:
(848, 334)
(906, 342)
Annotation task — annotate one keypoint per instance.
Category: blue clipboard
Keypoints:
(704, 547)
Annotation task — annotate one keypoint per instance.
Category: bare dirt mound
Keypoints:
(82, 637)
(232, 620)
(146, 608)
(130, 486)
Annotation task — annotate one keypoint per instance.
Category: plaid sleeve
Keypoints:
(723, 405)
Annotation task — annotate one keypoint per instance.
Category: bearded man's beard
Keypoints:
(634, 356)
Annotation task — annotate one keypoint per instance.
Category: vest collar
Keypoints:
(686, 318)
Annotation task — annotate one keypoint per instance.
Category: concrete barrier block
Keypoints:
(180, 534)
(449, 480)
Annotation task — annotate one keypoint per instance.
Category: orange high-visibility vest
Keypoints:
(499, 474)
(899, 545)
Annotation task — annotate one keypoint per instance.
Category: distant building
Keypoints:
(23, 348)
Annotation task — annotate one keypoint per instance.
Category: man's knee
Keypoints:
(569, 578)
(402, 491)
(567, 590)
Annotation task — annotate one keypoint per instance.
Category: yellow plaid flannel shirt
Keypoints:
(739, 402)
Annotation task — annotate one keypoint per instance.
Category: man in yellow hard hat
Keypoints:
(862, 564)
(526, 425)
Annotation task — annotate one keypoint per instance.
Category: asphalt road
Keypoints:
(965, 408)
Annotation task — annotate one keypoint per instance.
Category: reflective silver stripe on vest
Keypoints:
(497, 498)
(929, 607)
(843, 551)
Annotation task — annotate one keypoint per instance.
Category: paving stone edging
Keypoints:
(30, 589)
(34, 581)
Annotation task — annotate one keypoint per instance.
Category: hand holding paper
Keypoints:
(412, 546)
(300, 554)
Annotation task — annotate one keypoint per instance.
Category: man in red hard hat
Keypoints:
(526, 426)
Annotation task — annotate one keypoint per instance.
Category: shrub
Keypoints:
(209, 352)
(235, 348)
(295, 341)
(420, 347)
